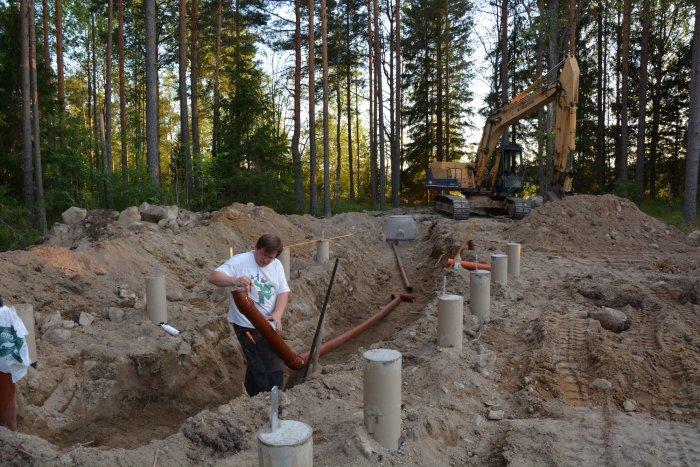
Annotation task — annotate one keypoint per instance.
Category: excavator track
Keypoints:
(454, 206)
(517, 208)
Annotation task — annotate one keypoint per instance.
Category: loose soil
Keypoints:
(540, 384)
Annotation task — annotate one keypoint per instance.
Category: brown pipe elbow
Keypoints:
(247, 307)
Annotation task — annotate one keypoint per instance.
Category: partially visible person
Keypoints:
(261, 274)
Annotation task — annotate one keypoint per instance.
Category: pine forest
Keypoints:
(325, 106)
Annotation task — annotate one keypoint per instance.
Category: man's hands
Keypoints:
(220, 279)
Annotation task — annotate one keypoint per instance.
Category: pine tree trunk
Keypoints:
(623, 156)
(88, 106)
(541, 138)
(348, 82)
(693, 157)
(326, 162)
(313, 198)
(643, 83)
(38, 176)
(372, 112)
(338, 142)
(45, 24)
(152, 124)
(439, 130)
(600, 98)
(504, 62)
(182, 81)
(194, 96)
(122, 96)
(108, 107)
(59, 69)
(217, 73)
(553, 56)
(656, 96)
(380, 108)
(396, 163)
(357, 135)
(27, 166)
(296, 133)
(95, 118)
(572, 27)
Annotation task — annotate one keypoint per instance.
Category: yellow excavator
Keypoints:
(490, 185)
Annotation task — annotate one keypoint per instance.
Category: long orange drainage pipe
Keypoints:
(8, 409)
(406, 283)
(288, 356)
(470, 265)
(343, 338)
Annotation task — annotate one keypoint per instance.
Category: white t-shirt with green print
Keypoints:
(268, 283)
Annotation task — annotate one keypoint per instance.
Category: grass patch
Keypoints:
(669, 211)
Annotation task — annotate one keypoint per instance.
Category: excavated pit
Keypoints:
(109, 378)
(124, 382)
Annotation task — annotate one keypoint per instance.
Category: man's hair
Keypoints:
(270, 243)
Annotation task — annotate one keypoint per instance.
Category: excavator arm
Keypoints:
(565, 91)
(491, 184)
(565, 141)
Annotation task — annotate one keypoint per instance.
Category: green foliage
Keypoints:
(15, 233)
(624, 188)
(669, 211)
(436, 46)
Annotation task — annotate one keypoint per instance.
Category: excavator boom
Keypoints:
(564, 90)
(490, 183)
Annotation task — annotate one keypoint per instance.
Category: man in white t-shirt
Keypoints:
(262, 275)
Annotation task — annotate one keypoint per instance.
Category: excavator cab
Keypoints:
(511, 176)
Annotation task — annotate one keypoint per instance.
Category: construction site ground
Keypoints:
(541, 384)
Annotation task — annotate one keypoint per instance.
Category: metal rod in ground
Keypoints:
(317, 336)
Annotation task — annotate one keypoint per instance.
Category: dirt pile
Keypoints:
(542, 383)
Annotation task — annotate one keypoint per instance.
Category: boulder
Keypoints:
(153, 213)
(187, 218)
(611, 319)
(73, 215)
(129, 215)
(694, 238)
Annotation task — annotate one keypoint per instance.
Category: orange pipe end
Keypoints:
(470, 265)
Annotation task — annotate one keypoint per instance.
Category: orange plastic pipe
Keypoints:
(288, 356)
(8, 408)
(402, 269)
(470, 265)
(247, 307)
(343, 338)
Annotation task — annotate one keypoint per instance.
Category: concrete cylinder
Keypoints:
(8, 407)
(513, 252)
(156, 303)
(284, 259)
(322, 251)
(25, 311)
(480, 295)
(382, 396)
(499, 268)
(450, 321)
(290, 445)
